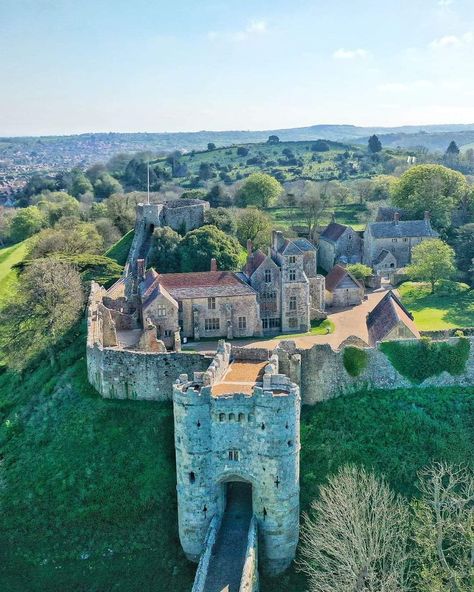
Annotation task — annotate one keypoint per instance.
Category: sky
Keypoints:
(76, 66)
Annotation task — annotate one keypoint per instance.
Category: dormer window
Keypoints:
(268, 276)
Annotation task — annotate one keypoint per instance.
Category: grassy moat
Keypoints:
(88, 485)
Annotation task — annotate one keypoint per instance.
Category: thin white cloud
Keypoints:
(449, 41)
(350, 54)
(253, 29)
(445, 3)
(401, 87)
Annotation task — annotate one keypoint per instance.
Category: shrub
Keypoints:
(355, 360)
(421, 359)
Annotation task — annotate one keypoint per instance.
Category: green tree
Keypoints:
(56, 205)
(464, 247)
(273, 139)
(444, 529)
(259, 189)
(76, 240)
(194, 194)
(199, 246)
(434, 188)
(217, 198)
(360, 271)
(80, 184)
(48, 302)
(431, 260)
(26, 222)
(121, 210)
(211, 146)
(254, 225)
(106, 185)
(164, 251)
(452, 150)
(374, 144)
(221, 218)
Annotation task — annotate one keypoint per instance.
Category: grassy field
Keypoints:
(88, 485)
(435, 312)
(351, 214)
(9, 256)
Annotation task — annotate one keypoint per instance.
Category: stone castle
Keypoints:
(237, 413)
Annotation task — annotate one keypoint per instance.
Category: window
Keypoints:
(405, 240)
(350, 237)
(242, 322)
(269, 295)
(292, 303)
(293, 322)
(161, 310)
(292, 275)
(292, 260)
(271, 323)
(231, 416)
(241, 417)
(394, 240)
(221, 416)
(211, 303)
(167, 333)
(192, 477)
(233, 454)
(211, 324)
(268, 276)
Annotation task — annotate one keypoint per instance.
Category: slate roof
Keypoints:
(386, 316)
(387, 213)
(337, 274)
(296, 246)
(253, 262)
(151, 288)
(402, 228)
(381, 256)
(204, 284)
(333, 232)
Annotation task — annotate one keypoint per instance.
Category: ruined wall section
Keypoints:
(323, 375)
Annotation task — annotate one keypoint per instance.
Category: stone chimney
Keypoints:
(277, 239)
(427, 216)
(140, 269)
(213, 264)
(249, 247)
(396, 217)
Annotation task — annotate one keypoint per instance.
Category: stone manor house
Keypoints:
(280, 291)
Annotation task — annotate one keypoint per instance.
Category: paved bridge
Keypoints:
(231, 563)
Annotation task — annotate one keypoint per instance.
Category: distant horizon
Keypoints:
(236, 130)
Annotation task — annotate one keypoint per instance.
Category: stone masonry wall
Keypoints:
(323, 375)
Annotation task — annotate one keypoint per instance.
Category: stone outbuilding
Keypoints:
(384, 262)
(339, 243)
(390, 320)
(342, 288)
(398, 237)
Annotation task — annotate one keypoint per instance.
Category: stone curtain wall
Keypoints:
(203, 567)
(249, 581)
(124, 374)
(323, 375)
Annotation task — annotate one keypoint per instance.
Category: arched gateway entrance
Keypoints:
(228, 553)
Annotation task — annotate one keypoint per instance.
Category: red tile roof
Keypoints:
(336, 275)
(204, 284)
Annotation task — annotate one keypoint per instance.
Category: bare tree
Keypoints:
(444, 528)
(355, 539)
(48, 302)
(314, 201)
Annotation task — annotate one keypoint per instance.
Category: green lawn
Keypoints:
(9, 256)
(350, 214)
(437, 311)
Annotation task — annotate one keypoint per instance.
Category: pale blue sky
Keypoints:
(72, 66)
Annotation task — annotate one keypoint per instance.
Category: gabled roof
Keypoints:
(385, 317)
(337, 274)
(204, 284)
(382, 255)
(402, 228)
(296, 246)
(151, 288)
(333, 232)
(253, 262)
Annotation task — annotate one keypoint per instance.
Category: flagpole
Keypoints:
(148, 182)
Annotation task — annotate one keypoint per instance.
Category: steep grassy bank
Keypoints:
(88, 486)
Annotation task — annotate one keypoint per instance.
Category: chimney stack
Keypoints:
(140, 269)
(213, 264)
(427, 216)
(396, 217)
(249, 247)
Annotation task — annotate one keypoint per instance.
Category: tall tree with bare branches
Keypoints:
(355, 538)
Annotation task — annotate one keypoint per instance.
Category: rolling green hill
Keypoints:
(10, 256)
